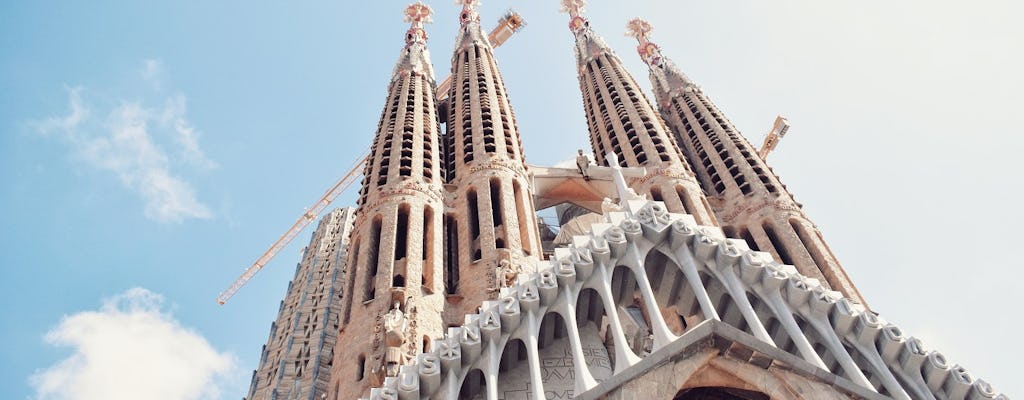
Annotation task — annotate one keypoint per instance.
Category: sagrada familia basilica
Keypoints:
(683, 268)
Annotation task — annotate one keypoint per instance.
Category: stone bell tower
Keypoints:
(748, 198)
(491, 229)
(394, 293)
(623, 121)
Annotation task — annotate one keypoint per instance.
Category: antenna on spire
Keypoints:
(641, 30)
(417, 14)
(575, 9)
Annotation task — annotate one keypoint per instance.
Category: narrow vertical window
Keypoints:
(451, 264)
(524, 223)
(402, 232)
(360, 367)
(688, 206)
(427, 277)
(352, 267)
(780, 247)
(745, 235)
(474, 213)
(374, 257)
(656, 194)
(496, 202)
(805, 237)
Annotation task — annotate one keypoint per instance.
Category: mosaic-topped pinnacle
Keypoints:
(638, 28)
(641, 30)
(469, 13)
(468, 3)
(575, 8)
(417, 14)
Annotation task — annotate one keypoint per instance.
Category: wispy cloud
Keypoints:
(131, 142)
(131, 349)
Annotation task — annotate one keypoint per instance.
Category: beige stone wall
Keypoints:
(297, 358)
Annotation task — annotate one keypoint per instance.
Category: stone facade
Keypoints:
(296, 361)
(448, 293)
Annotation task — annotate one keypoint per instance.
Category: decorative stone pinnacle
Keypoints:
(469, 13)
(638, 28)
(575, 8)
(417, 14)
(641, 30)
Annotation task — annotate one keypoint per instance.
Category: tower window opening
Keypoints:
(656, 194)
(745, 235)
(780, 247)
(474, 213)
(688, 206)
(360, 367)
(427, 275)
(351, 281)
(371, 267)
(524, 224)
(496, 202)
(402, 232)
(451, 276)
(805, 237)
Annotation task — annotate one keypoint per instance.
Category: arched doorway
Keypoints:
(719, 393)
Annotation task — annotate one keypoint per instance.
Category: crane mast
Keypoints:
(309, 216)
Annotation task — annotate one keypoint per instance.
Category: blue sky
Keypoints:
(150, 151)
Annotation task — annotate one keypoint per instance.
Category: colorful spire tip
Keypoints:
(418, 13)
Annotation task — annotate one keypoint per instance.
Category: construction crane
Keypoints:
(311, 213)
(509, 24)
(774, 136)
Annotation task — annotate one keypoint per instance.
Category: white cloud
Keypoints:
(185, 134)
(132, 143)
(131, 349)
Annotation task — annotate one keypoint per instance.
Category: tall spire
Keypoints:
(415, 58)
(393, 284)
(748, 198)
(666, 77)
(588, 44)
(623, 121)
(485, 164)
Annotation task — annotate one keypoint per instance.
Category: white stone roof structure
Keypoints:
(744, 306)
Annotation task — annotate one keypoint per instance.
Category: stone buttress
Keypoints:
(746, 195)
